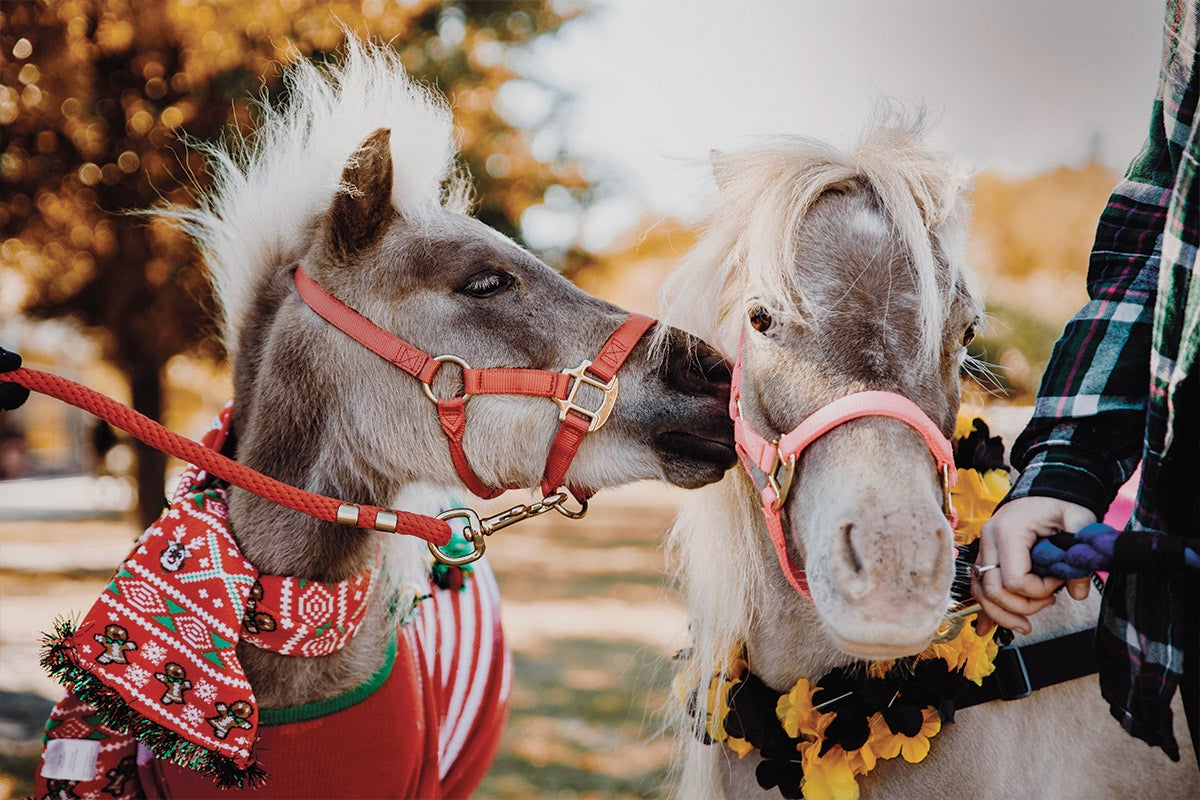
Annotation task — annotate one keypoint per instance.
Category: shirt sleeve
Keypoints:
(1085, 437)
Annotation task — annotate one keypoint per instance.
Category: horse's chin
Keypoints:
(879, 651)
(692, 461)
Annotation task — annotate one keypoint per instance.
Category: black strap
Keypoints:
(1022, 670)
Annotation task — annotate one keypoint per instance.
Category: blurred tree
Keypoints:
(1030, 241)
(93, 100)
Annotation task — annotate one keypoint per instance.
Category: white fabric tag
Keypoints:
(70, 759)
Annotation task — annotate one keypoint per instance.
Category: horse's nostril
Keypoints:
(694, 367)
(715, 368)
(851, 551)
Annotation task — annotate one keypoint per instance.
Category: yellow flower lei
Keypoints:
(834, 775)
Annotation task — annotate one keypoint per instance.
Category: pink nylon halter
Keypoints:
(763, 459)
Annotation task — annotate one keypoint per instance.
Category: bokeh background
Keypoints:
(585, 127)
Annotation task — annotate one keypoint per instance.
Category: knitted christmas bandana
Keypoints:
(156, 655)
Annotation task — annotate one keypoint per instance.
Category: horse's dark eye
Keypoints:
(760, 319)
(486, 284)
(968, 335)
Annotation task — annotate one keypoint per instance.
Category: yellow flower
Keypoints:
(886, 744)
(717, 701)
(975, 497)
(718, 706)
(978, 653)
(880, 669)
(863, 759)
(828, 777)
(965, 423)
(883, 743)
(997, 482)
(795, 710)
(739, 746)
(974, 654)
(915, 748)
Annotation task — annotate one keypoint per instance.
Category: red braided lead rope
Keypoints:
(326, 509)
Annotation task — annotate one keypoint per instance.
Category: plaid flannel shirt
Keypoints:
(1108, 396)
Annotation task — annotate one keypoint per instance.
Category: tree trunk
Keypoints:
(145, 384)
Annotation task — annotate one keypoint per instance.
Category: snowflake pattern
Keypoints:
(193, 715)
(205, 691)
(153, 651)
(204, 562)
(137, 676)
(202, 592)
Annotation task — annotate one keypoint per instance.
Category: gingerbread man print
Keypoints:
(120, 775)
(60, 790)
(116, 642)
(174, 677)
(254, 620)
(235, 715)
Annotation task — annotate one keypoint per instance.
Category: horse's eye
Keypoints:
(487, 284)
(968, 335)
(760, 319)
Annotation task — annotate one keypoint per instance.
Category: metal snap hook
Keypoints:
(560, 504)
(955, 618)
(474, 532)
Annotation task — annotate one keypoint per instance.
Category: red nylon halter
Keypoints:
(764, 459)
(576, 420)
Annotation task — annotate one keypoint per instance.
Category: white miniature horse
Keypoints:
(832, 274)
(353, 180)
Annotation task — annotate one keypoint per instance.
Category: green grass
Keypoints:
(583, 723)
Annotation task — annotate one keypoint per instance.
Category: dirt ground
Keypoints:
(590, 623)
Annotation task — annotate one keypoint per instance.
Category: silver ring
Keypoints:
(978, 571)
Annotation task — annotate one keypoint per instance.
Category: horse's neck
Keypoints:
(282, 542)
(788, 642)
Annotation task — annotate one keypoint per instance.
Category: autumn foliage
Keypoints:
(98, 99)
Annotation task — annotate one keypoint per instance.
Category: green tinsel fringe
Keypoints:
(58, 659)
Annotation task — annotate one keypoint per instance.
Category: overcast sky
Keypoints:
(1014, 86)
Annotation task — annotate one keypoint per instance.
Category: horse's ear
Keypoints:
(721, 168)
(363, 204)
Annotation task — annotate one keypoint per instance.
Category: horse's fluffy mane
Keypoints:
(765, 191)
(270, 188)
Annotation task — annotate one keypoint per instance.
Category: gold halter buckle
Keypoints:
(598, 416)
(947, 503)
(781, 485)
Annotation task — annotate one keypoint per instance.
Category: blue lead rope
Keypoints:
(1099, 547)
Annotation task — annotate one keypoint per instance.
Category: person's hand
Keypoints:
(11, 395)
(1003, 581)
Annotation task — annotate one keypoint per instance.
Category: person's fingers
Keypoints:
(9, 360)
(1078, 588)
(12, 395)
(1006, 609)
(1009, 546)
(1010, 582)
